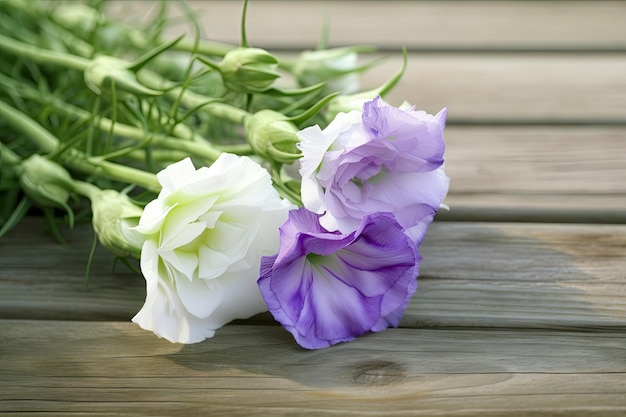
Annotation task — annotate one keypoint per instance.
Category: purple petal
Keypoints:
(415, 134)
(325, 297)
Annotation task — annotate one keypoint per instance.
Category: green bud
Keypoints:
(76, 16)
(114, 215)
(347, 103)
(337, 67)
(248, 70)
(45, 182)
(272, 136)
(106, 69)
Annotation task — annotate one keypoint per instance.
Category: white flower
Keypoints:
(205, 236)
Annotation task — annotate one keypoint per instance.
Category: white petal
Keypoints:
(177, 175)
(200, 297)
(212, 263)
(186, 234)
(329, 223)
(180, 217)
(180, 264)
(166, 317)
(242, 299)
(212, 223)
(149, 263)
(314, 144)
(152, 218)
(210, 218)
(312, 195)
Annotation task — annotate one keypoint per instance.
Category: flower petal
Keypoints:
(325, 296)
(200, 297)
(205, 235)
(383, 159)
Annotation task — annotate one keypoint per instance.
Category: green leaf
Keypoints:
(18, 214)
(148, 56)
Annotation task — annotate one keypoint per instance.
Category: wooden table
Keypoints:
(521, 308)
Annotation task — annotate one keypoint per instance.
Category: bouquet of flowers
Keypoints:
(237, 180)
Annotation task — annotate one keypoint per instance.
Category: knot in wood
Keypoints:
(378, 373)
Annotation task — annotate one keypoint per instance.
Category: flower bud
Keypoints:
(114, 214)
(45, 182)
(76, 16)
(248, 70)
(273, 136)
(337, 67)
(347, 103)
(107, 69)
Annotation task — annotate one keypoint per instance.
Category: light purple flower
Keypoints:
(383, 159)
(329, 287)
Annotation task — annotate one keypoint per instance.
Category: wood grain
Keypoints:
(559, 161)
(511, 88)
(472, 275)
(521, 276)
(44, 279)
(476, 87)
(421, 25)
(519, 318)
(107, 368)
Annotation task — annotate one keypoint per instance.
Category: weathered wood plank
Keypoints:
(472, 275)
(483, 25)
(107, 368)
(527, 87)
(575, 88)
(535, 208)
(43, 279)
(511, 88)
(521, 275)
(546, 161)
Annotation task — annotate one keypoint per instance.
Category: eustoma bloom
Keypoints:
(381, 159)
(372, 181)
(329, 287)
(205, 236)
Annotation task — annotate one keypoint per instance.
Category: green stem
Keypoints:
(35, 133)
(204, 47)
(244, 37)
(282, 189)
(200, 149)
(42, 56)
(7, 156)
(86, 189)
(192, 100)
(112, 171)
(74, 158)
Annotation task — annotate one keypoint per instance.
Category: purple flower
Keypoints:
(329, 287)
(383, 159)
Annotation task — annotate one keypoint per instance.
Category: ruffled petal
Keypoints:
(335, 287)
(205, 235)
(391, 159)
(200, 297)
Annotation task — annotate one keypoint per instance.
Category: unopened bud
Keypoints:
(347, 103)
(114, 216)
(105, 70)
(248, 70)
(45, 182)
(273, 136)
(337, 67)
(77, 17)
